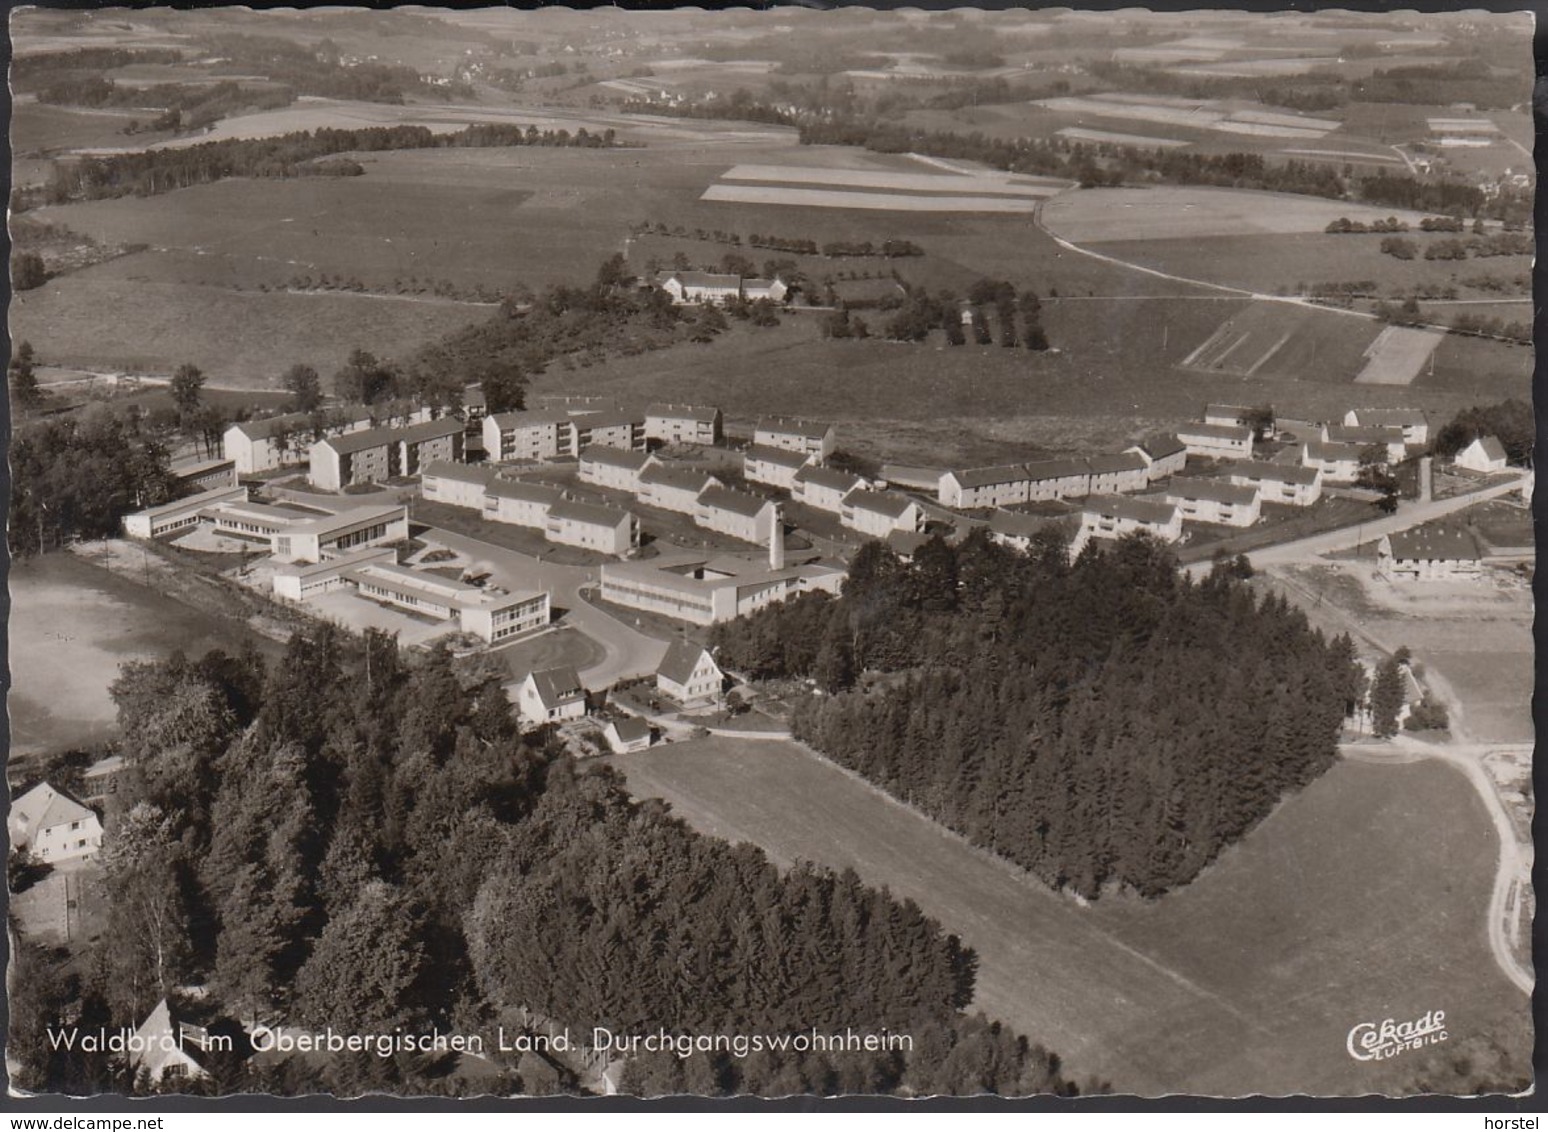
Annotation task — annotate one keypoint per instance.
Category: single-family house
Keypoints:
(606, 530)
(823, 488)
(629, 733)
(1484, 454)
(736, 513)
(160, 1047)
(673, 487)
(684, 424)
(1213, 501)
(814, 438)
(877, 514)
(616, 468)
(688, 675)
(1429, 554)
(1293, 484)
(776, 467)
(551, 695)
(1217, 441)
(1163, 453)
(52, 826)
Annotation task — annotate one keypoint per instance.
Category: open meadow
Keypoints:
(1361, 898)
(72, 623)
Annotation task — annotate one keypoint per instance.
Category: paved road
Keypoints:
(629, 652)
(1347, 538)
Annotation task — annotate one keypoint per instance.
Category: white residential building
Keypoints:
(1049, 480)
(283, 441)
(456, 485)
(984, 487)
(615, 468)
(673, 487)
(491, 614)
(1217, 442)
(689, 675)
(878, 514)
(707, 591)
(606, 530)
(1338, 463)
(552, 695)
(1389, 440)
(814, 438)
(1114, 475)
(776, 467)
(1293, 484)
(736, 513)
(684, 424)
(1484, 454)
(53, 826)
(1429, 554)
(520, 502)
(1164, 455)
(1114, 516)
(1415, 423)
(528, 436)
(823, 488)
(1212, 501)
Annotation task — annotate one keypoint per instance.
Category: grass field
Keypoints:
(71, 625)
(104, 323)
(1361, 898)
(1173, 213)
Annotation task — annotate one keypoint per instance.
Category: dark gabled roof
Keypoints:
(463, 473)
(352, 442)
(624, 458)
(1020, 524)
(630, 728)
(1328, 450)
(885, 503)
(1274, 473)
(1436, 544)
(700, 279)
(702, 414)
(794, 426)
(431, 430)
(1161, 445)
(1364, 434)
(591, 513)
(556, 685)
(529, 418)
(1398, 418)
(737, 502)
(681, 658)
(1492, 448)
(1121, 462)
(1215, 491)
(1122, 507)
(1216, 431)
(609, 419)
(299, 422)
(784, 457)
(1056, 469)
(831, 478)
(673, 475)
(524, 489)
(984, 477)
(907, 543)
(1235, 412)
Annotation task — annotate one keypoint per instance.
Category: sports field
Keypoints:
(1361, 898)
(1397, 356)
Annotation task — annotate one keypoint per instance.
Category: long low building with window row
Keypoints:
(1292, 484)
(378, 454)
(707, 591)
(293, 534)
(1213, 501)
(1114, 516)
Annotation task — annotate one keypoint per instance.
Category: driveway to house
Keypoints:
(629, 652)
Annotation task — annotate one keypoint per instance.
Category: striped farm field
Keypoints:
(1079, 133)
(944, 182)
(1397, 356)
(843, 198)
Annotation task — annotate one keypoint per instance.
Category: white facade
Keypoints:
(52, 826)
(984, 487)
(1291, 484)
(776, 467)
(811, 437)
(1114, 516)
(552, 695)
(823, 488)
(1338, 463)
(683, 424)
(689, 675)
(736, 513)
(528, 436)
(1484, 454)
(1211, 501)
(878, 514)
(613, 468)
(602, 529)
(674, 488)
(1217, 442)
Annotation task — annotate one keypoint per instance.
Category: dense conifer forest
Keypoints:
(1106, 722)
(357, 838)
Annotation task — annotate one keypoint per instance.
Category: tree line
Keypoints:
(357, 838)
(1102, 723)
(286, 155)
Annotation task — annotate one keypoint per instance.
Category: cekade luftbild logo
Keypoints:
(1379, 1041)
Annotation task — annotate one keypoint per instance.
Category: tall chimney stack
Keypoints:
(1426, 478)
(777, 541)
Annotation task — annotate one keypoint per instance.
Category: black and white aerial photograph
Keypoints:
(773, 553)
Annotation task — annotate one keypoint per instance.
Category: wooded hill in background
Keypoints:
(1106, 722)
